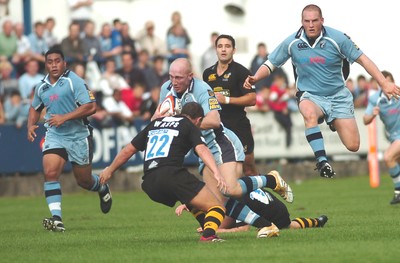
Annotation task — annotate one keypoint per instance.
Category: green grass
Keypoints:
(362, 227)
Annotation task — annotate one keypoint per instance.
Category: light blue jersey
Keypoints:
(64, 96)
(222, 142)
(200, 92)
(389, 112)
(318, 68)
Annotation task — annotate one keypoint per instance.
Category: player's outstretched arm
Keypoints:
(122, 157)
(262, 72)
(389, 88)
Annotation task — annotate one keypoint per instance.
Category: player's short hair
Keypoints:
(54, 51)
(387, 74)
(227, 37)
(312, 7)
(192, 110)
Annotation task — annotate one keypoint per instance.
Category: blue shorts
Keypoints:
(395, 136)
(79, 151)
(225, 148)
(337, 106)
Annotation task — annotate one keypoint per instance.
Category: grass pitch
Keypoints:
(362, 227)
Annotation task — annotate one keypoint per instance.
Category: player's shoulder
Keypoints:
(334, 33)
(200, 86)
(68, 74)
(238, 66)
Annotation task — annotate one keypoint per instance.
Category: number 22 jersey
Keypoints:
(166, 141)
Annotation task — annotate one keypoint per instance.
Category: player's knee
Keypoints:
(353, 146)
(51, 175)
(310, 118)
(388, 158)
(235, 190)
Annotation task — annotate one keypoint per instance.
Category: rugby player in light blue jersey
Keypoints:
(225, 147)
(68, 103)
(389, 112)
(320, 56)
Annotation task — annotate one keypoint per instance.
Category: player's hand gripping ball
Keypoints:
(171, 106)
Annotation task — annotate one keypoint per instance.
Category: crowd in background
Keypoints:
(125, 72)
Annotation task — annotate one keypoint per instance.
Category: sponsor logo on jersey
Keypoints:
(227, 76)
(91, 96)
(302, 45)
(211, 93)
(218, 89)
(352, 41)
(212, 77)
(53, 97)
(153, 164)
(213, 104)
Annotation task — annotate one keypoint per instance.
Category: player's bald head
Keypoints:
(181, 65)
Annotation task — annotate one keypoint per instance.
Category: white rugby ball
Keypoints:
(171, 105)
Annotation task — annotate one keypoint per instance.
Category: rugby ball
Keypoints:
(171, 105)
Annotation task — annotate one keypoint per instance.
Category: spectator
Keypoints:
(258, 60)
(23, 52)
(149, 105)
(176, 19)
(111, 80)
(278, 103)
(4, 10)
(100, 118)
(157, 75)
(91, 44)
(177, 44)
(149, 41)
(81, 12)
(209, 57)
(128, 43)
(116, 38)
(8, 41)
(8, 82)
(116, 107)
(350, 86)
(22, 117)
(129, 72)
(373, 87)
(48, 34)
(143, 62)
(261, 101)
(12, 107)
(29, 79)
(135, 103)
(38, 44)
(360, 95)
(80, 70)
(72, 46)
(108, 48)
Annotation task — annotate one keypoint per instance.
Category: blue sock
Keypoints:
(395, 174)
(251, 183)
(242, 212)
(52, 191)
(316, 141)
(97, 187)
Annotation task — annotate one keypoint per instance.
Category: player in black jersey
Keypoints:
(270, 208)
(226, 78)
(165, 142)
